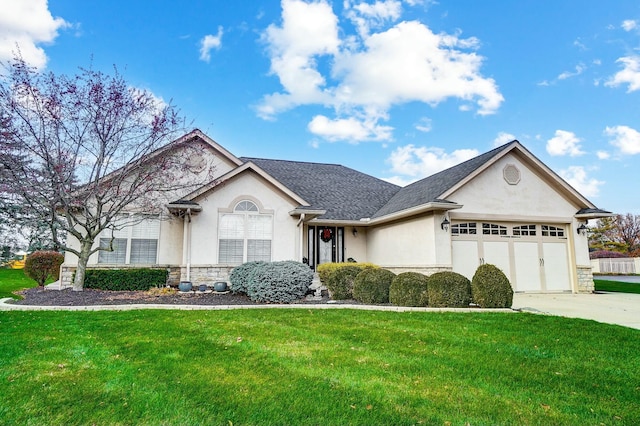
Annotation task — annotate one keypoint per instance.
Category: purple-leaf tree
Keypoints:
(79, 151)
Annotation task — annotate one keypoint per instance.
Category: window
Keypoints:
(493, 229)
(552, 231)
(135, 241)
(244, 235)
(463, 228)
(524, 230)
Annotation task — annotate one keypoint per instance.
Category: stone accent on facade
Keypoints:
(585, 280)
(426, 270)
(206, 274)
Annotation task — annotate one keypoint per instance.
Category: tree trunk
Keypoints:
(85, 251)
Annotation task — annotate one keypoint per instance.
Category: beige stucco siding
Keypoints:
(223, 198)
(405, 243)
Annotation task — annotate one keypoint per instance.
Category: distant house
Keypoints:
(503, 207)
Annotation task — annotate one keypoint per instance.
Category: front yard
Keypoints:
(310, 367)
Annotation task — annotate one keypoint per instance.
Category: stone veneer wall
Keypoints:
(426, 270)
(207, 274)
(585, 280)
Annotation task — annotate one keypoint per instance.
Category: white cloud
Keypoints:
(630, 74)
(412, 163)
(349, 129)
(564, 143)
(363, 75)
(424, 125)
(27, 24)
(209, 42)
(629, 24)
(503, 138)
(577, 177)
(568, 74)
(626, 139)
(603, 155)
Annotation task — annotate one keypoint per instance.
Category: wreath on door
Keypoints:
(326, 235)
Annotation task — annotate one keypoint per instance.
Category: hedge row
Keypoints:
(125, 279)
(489, 288)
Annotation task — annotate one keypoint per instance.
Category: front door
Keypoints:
(326, 244)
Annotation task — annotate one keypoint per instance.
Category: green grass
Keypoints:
(12, 280)
(315, 367)
(619, 286)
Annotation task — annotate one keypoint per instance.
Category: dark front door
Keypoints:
(326, 244)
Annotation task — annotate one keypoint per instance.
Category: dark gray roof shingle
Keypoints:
(344, 193)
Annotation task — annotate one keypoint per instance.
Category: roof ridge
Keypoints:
(293, 161)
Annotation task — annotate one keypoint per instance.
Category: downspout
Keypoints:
(301, 221)
(188, 226)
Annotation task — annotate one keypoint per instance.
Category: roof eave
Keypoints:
(423, 208)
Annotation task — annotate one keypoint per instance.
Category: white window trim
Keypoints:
(126, 232)
(245, 214)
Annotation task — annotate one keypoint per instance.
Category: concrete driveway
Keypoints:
(612, 308)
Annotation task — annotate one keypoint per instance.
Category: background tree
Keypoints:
(78, 151)
(620, 233)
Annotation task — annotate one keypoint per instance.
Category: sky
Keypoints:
(398, 89)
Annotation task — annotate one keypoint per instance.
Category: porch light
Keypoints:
(582, 230)
(445, 224)
(355, 232)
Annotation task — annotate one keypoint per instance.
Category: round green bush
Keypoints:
(279, 282)
(449, 290)
(240, 275)
(42, 265)
(340, 282)
(372, 286)
(490, 288)
(409, 289)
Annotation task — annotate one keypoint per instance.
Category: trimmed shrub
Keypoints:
(42, 265)
(279, 282)
(449, 290)
(340, 282)
(326, 269)
(490, 288)
(409, 289)
(240, 275)
(125, 279)
(372, 286)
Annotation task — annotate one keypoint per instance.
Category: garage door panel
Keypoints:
(527, 264)
(556, 266)
(465, 257)
(497, 253)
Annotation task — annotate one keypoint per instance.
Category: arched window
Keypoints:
(244, 235)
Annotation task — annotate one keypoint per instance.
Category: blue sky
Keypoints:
(399, 89)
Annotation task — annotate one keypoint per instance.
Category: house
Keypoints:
(503, 207)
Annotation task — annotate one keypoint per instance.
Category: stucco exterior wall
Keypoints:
(402, 244)
(247, 186)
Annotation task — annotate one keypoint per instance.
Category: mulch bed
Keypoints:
(38, 296)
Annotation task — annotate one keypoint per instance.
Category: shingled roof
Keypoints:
(429, 189)
(344, 193)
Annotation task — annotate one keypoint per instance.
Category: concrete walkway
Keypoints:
(611, 308)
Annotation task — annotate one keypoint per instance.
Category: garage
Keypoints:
(534, 256)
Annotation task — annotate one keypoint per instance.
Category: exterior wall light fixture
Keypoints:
(445, 224)
(582, 229)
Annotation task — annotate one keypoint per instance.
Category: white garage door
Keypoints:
(533, 256)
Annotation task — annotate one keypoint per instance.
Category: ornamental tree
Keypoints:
(77, 151)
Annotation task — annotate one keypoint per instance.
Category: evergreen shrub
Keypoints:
(326, 269)
(125, 279)
(449, 289)
(240, 276)
(340, 282)
(42, 265)
(490, 288)
(372, 286)
(409, 289)
(279, 282)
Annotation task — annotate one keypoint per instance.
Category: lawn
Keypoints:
(12, 280)
(619, 286)
(315, 367)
